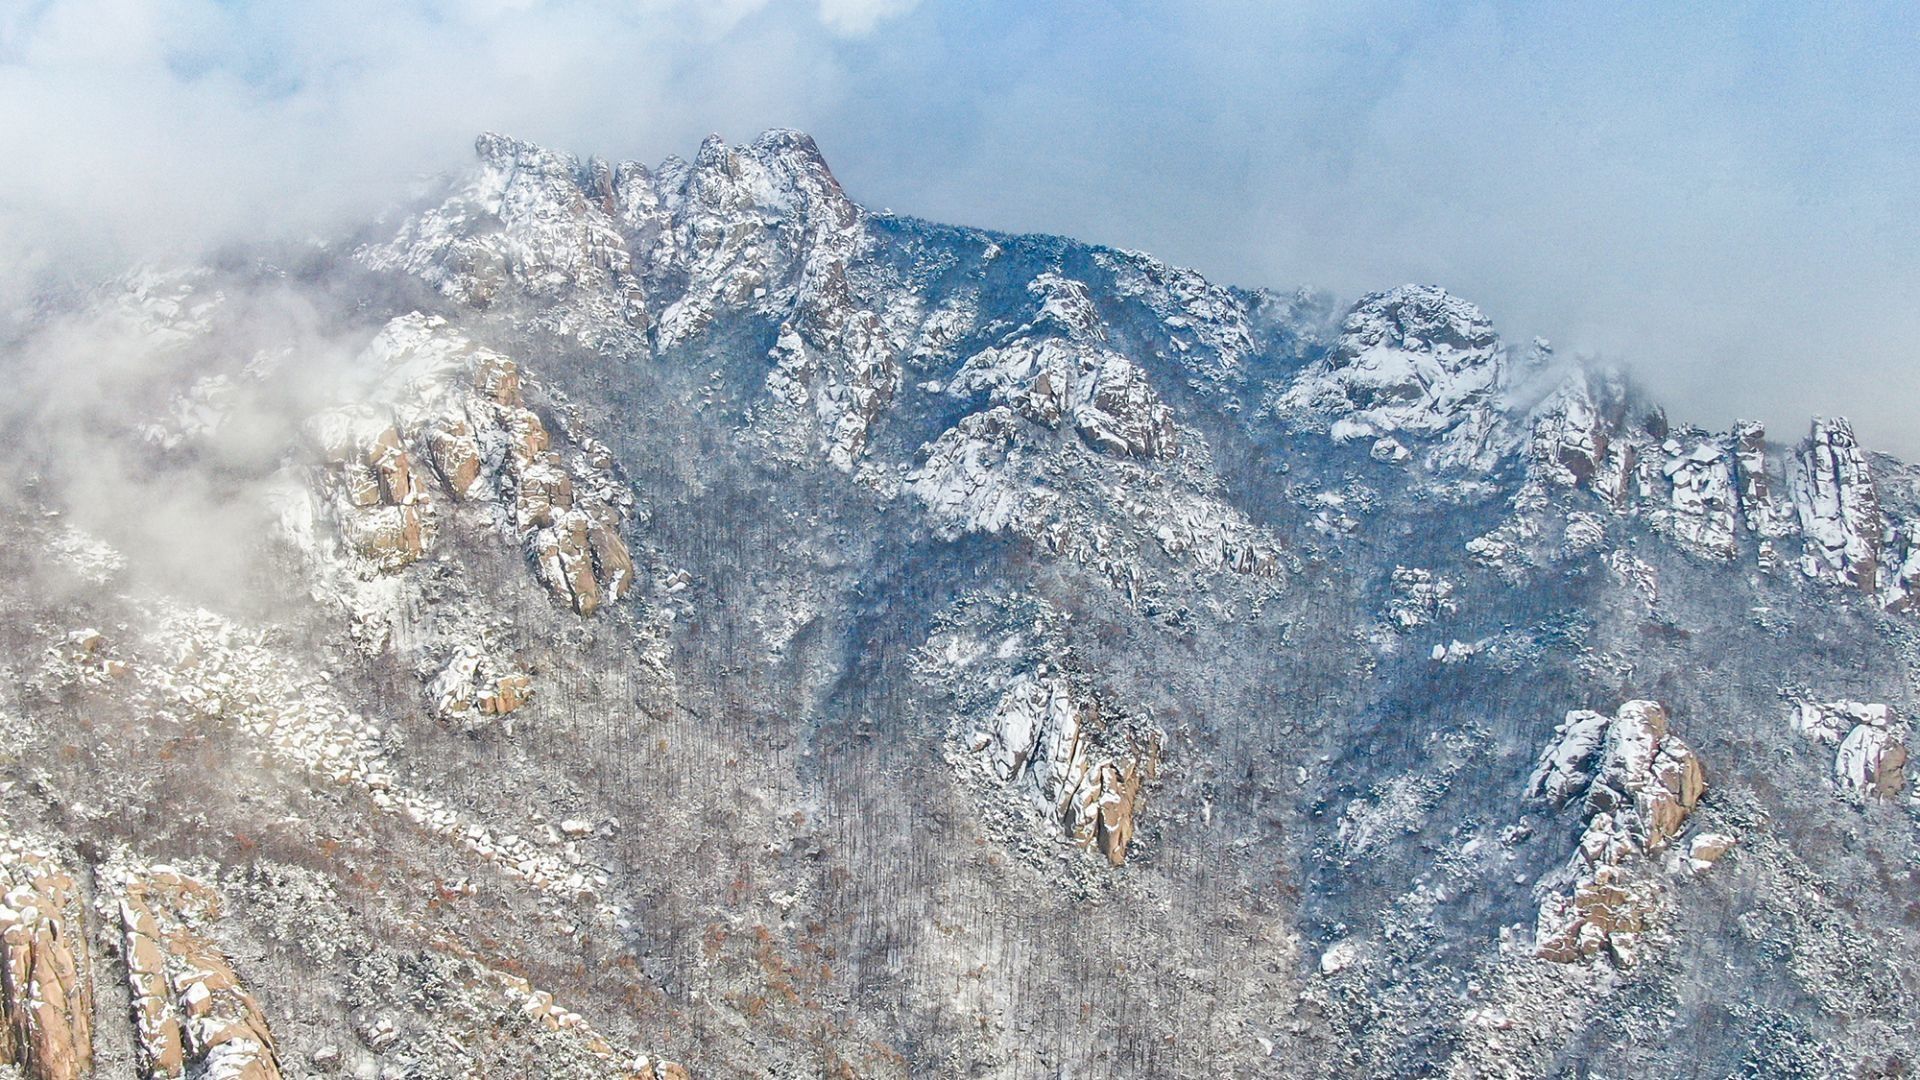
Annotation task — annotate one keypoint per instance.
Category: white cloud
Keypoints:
(859, 17)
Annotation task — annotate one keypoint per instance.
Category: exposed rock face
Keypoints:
(1041, 741)
(46, 987)
(1059, 368)
(191, 1013)
(446, 401)
(971, 474)
(1031, 723)
(1637, 783)
(1707, 849)
(525, 221)
(1414, 360)
(1871, 761)
(1870, 754)
(1570, 439)
(378, 496)
(472, 685)
(844, 433)
(1701, 499)
(1839, 511)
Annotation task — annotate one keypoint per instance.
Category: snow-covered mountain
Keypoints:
(612, 621)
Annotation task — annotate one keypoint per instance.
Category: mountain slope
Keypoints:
(621, 613)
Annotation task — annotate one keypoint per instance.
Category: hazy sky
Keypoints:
(1721, 195)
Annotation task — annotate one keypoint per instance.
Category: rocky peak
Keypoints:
(1415, 360)
(1058, 368)
(782, 173)
(1419, 319)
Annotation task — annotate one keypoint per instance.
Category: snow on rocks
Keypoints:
(438, 399)
(377, 494)
(46, 987)
(971, 477)
(1340, 956)
(1706, 849)
(1059, 368)
(1832, 492)
(1569, 433)
(209, 669)
(1763, 512)
(1638, 783)
(998, 471)
(1205, 326)
(1870, 753)
(1030, 723)
(471, 687)
(191, 1011)
(1412, 361)
(1040, 740)
(1701, 499)
(1634, 572)
(528, 220)
(1418, 596)
(539, 1007)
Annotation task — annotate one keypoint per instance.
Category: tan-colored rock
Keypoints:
(611, 559)
(563, 560)
(1872, 761)
(1640, 784)
(1708, 849)
(191, 1012)
(530, 438)
(46, 988)
(455, 454)
(1120, 794)
(544, 490)
(390, 535)
(1870, 755)
(498, 378)
(507, 693)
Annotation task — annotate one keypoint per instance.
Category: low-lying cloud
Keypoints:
(1716, 198)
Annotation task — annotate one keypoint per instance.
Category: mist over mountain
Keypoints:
(612, 620)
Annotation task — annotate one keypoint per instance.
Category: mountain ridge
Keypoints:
(808, 641)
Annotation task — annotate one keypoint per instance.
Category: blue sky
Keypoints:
(1721, 195)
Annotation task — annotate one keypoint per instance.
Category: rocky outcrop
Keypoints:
(529, 222)
(971, 477)
(1702, 504)
(447, 403)
(1060, 368)
(1636, 783)
(1870, 750)
(1833, 494)
(1058, 750)
(1414, 361)
(46, 987)
(192, 1015)
(471, 686)
(378, 496)
(1417, 597)
(1031, 726)
(571, 528)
